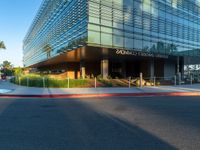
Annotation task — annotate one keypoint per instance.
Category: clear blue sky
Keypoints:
(16, 17)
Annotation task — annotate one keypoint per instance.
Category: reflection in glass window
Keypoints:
(128, 43)
(118, 25)
(118, 41)
(94, 20)
(106, 22)
(137, 44)
(148, 25)
(146, 46)
(93, 27)
(94, 37)
(106, 39)
(118, 32)
(106, 29)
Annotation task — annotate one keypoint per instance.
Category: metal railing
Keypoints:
(99, 82)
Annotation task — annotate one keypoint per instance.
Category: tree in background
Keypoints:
(7, 65)
(7, 68)
(2, 45)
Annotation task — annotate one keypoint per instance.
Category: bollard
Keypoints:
(179, 78)
(95, 82)
(68, 82)
(154, 81)
(175, 80)
(19, 81)
(43, 79)
(129, 83)
(191, 79)
(140, 79)
(27, 81)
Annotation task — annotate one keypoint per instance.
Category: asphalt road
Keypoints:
(139, 123)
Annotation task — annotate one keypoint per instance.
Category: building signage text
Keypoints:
(139, 53)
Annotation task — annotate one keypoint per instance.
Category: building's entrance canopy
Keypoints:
(97, 54)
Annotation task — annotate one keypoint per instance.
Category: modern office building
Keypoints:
(114, 37)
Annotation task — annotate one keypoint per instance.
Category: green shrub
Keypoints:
(109, 77)
(99, 77)
(18, 71)
(158, 83)
(64, 83)
(33, 80)
(106, 83)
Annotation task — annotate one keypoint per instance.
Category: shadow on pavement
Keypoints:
(33, 124)
(184, 110)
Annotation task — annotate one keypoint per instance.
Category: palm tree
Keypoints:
(2, 45)
(7, 65)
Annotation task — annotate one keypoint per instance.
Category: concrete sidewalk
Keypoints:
(12, 89)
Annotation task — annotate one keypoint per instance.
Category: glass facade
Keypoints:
(59, 25)
(170, 27)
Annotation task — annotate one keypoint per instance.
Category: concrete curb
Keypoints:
(102, 95)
